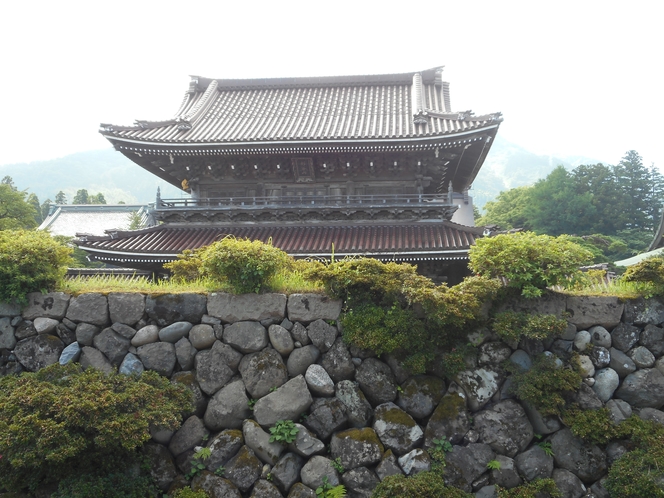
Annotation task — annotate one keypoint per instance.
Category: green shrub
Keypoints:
(639, 473)
(537, 488)
(106, 486)
(529, 262)
(545, 385)
(593, 426)
(422, 485)
(61, 421)
(187, 267)
(512, 326)
(649, 272)
(30, 262)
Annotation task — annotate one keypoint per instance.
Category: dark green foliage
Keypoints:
(106, 486)
(529, 262)
(422, 485)
(246, 265)
(508, 210)
(594, 426)
(512, 326)
(640, 472)
(61, 421)
(60, 198)
(538, 488)
(30, 262)
(189, 493)
(16, 212)
(545, 385)
(649, 272)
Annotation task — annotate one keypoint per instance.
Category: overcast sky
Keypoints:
(570, 77)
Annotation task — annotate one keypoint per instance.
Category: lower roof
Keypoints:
(441, 240)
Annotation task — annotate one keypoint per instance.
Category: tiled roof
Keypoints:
(415, 241)
(93, 219)
(379, 107)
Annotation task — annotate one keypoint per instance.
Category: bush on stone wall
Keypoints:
(246, 265)
(422, 485)
(61, 421)
(30, 262)
(512, 326)
(650, 273)
(538, 488)
(529, 262)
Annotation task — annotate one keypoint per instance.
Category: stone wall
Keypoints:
(252, 360)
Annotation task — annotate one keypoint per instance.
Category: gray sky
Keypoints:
(570, 77)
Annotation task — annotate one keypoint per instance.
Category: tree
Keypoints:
(60, 198)
(45, 208)
(15, 211)
(634, 180)
(81, 197)
(8, 180)
(508, 210)
(556, 208)
(33, 200)
(97, 199)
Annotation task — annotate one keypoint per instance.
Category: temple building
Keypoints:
(372, 165)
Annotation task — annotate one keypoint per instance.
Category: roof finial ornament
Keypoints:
(158, 196)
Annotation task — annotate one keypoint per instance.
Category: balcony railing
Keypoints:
(304, 201)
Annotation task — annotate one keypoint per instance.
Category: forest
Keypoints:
(611, 210)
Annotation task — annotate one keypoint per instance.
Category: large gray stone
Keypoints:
(601, 357)
(585, 460)
(45, 325)
(505, 427)
(131, 365)
(70, 354)
(415, 461)
(280, 339)
(479, 385)
(158, 356)
(624, 337)
(288, 402)
(124, 330)
(377, 381)
(171, 308)
(10, 309)
(360, 482)
(326, 416)
(322, 335)
(606, 382)
(309, 307)
(188, 380)
(306, 444)
(263, 372)
(259, 441)
(191, 434)
(493, 354)
(287, 471)
(7, 339)
(356, 448)
(93, 358)
(652, 338)
(318, 381)
(215, 486)
(586, 398)
(355, 402)
(185, 354)
(202, 336)
(244, 469)
(38, 352)
(621, 363)
(162, 467)
(212, 373)
(464, 464)
(599, 336)
(568, 484)
(51, 305)
(584, 311)
(144, 335)
(265, 489)
(238, 308)
(388, 466)
(541, 424)
(643, 389)
(246, 337)
(644, 311)
(534, 464)
(338, 362)
(397, 430)
(126, 307)
(449, 420)
(112, 344)
(642, 357)
(89, 308)
(299, 490)
(175, 331)
(228, 408)
(506, 475)
(619, 410)
(301, 358)
(299, 333)
(223, 447)
(419, 395)
(315, 469)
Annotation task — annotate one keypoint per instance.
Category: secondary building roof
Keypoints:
(154, 246)
(95, 219)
